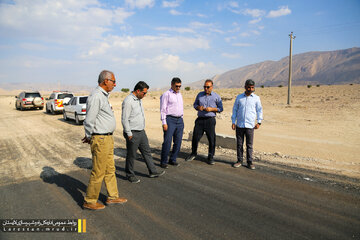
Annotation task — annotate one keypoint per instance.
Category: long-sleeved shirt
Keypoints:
(171, 103)
(99, 115)
(132, 116)
(212, 100)
(245, 111)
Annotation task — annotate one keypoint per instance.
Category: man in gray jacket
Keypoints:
(133, 121)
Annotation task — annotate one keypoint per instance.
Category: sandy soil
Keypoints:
(319, 131)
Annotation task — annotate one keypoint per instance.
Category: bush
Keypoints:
(262, 86)
(187, 88)
(309, 86)
(318, 85)
(280, 86)
(125, 90)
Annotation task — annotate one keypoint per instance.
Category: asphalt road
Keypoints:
(192, 201)
(44, 171)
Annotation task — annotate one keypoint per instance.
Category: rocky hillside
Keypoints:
(331, 67)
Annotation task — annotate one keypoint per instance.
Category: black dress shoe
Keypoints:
(133, 179)
(211, 161)
(190, 157)
(175, 164)
(158, 174)
(164, 165)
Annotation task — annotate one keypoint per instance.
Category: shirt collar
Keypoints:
(134, 97)
(251, 95)
(103, 91)
(171, 90)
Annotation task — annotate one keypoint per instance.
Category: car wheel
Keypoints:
(21, 107)
(47, 109)
(41, 108)
(77, 120)
(64, 115)
(52, 110)
(16, 107)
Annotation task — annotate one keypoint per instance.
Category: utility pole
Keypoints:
(290, 68)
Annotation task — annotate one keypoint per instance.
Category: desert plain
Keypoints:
(318, 131)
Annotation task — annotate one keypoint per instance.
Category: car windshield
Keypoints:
(65, 95)
(32, 95)
(83, 100)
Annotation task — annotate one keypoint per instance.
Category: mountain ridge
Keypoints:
(315, 67)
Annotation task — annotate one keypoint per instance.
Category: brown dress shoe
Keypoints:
(94, 206)
(116, 200)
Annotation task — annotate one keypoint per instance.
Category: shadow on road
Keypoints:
(83, 162)
(71, 185)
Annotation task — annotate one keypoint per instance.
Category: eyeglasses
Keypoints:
(207, 87)
(178, 86)
(114, 82)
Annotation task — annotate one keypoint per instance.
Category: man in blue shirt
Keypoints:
(247, 107)
(207, 103)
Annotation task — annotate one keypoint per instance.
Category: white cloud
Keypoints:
(233, 4)
(256, 20)
(282, 11)
(174, 29)
(229, 39)
(140, 3)
(65, 22)
(230, 55)
(245, 34)
(243, 44)
(144, 46)
(171, 4)
(175, 13)
(255, 13)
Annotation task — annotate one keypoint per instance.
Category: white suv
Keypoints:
(55, 103)
(75, 109)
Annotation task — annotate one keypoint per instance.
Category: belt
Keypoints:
(106, 134)
(205, 117)
(173, 116)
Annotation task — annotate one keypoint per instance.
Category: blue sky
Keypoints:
(71, 41)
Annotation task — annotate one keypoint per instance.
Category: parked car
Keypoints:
(75, 109)
(27, 100)
(55, 103)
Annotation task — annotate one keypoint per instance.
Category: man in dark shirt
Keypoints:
(207, 103)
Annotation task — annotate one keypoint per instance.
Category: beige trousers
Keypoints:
(102, 149)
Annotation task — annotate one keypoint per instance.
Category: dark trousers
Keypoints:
(174, 132)
(241, 133)
(141, 142)
(207, 125)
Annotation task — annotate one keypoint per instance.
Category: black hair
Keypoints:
(140, 86)
(249, 82)
(209, 80)
(175, 80)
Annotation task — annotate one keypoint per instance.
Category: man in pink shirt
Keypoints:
(172, 111)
